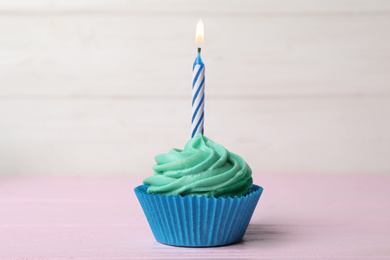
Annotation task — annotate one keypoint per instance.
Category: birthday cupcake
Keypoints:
(203, 195)
(199, 197)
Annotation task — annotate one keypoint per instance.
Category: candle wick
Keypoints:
(199, 50)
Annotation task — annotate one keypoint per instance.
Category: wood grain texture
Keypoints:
(101, 87)
(112, 55)
(122, 136)
(219, 7)
(298, 217)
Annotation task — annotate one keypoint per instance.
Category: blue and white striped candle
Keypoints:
(198, 86)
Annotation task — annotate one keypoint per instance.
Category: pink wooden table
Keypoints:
(298, 216)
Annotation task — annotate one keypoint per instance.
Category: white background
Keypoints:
(101, 87)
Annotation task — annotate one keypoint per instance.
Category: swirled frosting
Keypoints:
(202, 168)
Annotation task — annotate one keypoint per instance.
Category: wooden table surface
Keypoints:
(298, 217)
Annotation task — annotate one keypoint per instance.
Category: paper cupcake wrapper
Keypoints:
(198, 221)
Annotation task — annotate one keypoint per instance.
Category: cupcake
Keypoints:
(200, 196)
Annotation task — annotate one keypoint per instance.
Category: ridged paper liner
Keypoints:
(198, 221)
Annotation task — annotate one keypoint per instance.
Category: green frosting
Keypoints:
(202, 168)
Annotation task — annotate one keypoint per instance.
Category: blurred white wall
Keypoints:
(101, 87)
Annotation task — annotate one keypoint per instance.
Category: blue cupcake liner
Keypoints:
(198, 221)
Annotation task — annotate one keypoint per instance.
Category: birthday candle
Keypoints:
(198, 85)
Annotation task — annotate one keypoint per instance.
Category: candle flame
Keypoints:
(199, 38)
